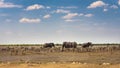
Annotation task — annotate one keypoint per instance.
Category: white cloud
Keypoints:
(61, 11)
(8, 5)
(35, 7)
(70, 15)
(27, 20)
(47, 16)
(97, 4)
(114, 6)
(88, 15)
(105, 10)
(119, 2)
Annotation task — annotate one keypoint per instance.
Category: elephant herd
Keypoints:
(68, 45)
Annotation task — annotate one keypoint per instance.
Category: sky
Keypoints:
(41, 21)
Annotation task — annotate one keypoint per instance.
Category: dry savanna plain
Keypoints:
(28, 56)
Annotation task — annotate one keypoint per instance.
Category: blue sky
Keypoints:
(40, 21)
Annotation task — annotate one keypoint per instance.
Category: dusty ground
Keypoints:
(58, 65)
(87, 57)
(61, 60)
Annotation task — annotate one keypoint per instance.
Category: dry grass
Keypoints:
(67, 59)
(59, 65)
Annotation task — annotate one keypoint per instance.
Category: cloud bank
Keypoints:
(8, 5)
